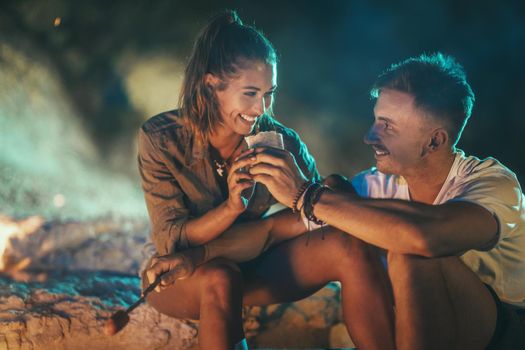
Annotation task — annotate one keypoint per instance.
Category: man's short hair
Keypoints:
(439, 86)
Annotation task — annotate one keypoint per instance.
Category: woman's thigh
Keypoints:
(297, 268)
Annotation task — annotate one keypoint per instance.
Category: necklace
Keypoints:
(221, 166)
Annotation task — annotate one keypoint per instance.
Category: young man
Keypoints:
(453, 226)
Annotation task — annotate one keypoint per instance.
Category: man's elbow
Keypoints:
(423, 243)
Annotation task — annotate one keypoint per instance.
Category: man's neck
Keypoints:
(426, 183)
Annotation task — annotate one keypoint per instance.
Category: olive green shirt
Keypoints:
(180, 181)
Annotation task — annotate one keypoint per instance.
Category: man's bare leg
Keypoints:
(294, 270)
(440, 304)
(212, 294)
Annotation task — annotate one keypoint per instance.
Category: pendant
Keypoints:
(220, 168)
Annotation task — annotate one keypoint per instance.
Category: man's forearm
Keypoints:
(388, 224)
(409, 227)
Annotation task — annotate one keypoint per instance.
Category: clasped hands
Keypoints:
(274, 168)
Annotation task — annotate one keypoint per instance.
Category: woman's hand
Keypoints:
(238, 181)
(173, 267)
(276, 169)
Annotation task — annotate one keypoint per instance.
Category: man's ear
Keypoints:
(211, 80)
(438, 140)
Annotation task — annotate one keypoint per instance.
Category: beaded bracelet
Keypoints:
(303, 188)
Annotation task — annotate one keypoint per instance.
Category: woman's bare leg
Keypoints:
(212, 294)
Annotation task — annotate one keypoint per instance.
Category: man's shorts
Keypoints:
(510, 326)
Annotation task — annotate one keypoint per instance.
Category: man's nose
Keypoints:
(371, 136)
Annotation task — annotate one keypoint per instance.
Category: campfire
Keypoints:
(15, 231)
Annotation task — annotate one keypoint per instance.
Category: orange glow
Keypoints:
(10, 228)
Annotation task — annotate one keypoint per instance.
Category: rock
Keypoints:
(305, 323)
(69, 311)
(79, 273)
(339, 337)
(109, 243)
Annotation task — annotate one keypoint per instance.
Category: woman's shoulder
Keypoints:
(168, 130)
(163, 121)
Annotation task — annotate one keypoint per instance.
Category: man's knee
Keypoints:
(406, 266)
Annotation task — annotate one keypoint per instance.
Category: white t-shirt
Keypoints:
(493, 186)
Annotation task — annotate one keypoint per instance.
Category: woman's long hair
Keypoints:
(220, 49)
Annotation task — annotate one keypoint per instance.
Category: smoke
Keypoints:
(48, 165)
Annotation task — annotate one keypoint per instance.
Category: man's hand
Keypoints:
(173, 267)
(276, 169)
(339, 183)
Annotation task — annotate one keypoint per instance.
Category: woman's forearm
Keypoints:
(210, 225)
(246, 241)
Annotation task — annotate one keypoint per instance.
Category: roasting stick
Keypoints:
(120, 319)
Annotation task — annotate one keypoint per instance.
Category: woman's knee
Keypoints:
(342, 245)
(221, 280)
(343, 253)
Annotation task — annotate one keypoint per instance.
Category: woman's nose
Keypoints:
(260, 106)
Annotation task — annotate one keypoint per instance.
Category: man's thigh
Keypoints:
(474, 308)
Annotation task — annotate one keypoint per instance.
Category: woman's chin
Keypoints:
(245, 130)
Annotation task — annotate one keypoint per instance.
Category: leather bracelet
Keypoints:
(298, 195)
(316, 195)
(307, 201)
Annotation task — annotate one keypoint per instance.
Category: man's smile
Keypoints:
(380, 151)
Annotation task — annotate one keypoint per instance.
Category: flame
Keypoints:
(57, 21)
(9, 228)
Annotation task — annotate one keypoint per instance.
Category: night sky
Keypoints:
(330, 52)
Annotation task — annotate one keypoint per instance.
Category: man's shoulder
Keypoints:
(162, 121)
(471, 167)
(373, 183)
(374, 175)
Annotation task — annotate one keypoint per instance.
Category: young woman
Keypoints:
(193, 194)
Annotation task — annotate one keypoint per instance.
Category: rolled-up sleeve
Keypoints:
(304, 159)
(501, 195)
(164, 198)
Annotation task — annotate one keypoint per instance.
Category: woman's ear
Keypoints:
(211, 80)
